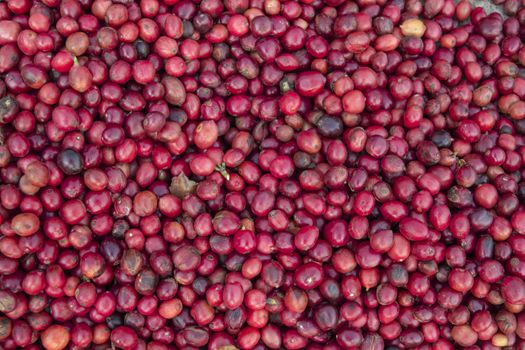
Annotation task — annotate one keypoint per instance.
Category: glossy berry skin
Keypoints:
(262, 174)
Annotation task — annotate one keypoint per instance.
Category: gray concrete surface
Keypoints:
(488, 6)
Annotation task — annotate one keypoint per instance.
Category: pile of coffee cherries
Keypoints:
(262, 174)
